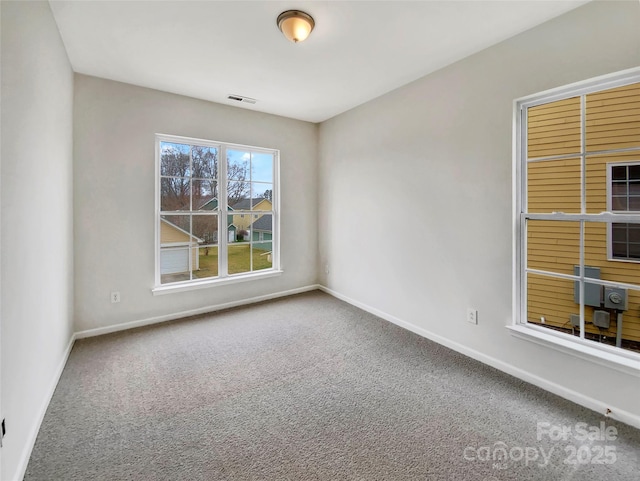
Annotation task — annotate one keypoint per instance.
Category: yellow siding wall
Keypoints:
(612, 122)
(243, 223)
(613, 118)
(169, 235)
(554, 129)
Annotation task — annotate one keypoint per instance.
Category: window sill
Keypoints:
(203, 284)
(626, 362)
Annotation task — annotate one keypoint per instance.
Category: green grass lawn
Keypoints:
(238, 261)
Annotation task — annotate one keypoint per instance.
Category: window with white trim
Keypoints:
(578, 214)
(207, 207)
(624, 197)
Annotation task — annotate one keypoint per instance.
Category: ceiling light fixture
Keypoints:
(295, 25)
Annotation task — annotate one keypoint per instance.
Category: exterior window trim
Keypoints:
(223, 278)
(610, 166)
(612, 357)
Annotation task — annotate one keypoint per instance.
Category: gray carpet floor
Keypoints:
(306, 388)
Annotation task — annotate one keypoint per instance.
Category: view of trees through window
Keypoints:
(192, 200)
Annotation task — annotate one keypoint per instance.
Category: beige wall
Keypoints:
(436, 155)
(37, 229)
(114, 169)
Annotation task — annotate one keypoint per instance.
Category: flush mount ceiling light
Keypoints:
(295, 25)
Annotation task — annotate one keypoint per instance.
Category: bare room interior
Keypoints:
(251, 240)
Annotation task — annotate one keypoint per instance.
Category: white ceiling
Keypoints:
(358, 50)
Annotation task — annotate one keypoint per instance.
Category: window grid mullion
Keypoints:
(608, 216)
(583, 205)
(251, 219)
(582, 273)
(223, 236)
(192, 217)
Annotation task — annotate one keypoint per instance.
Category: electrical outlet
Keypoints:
(115, 297)
(326, 268)
(472, 315)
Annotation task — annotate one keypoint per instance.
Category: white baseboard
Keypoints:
(192, 312)
(35, 428)
(590, 403)
(576, 397)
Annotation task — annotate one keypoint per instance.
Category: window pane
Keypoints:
(262, 228)
(619, 172)
(205, 261)
(553, 246)
(634, 232)
(634, 203)
(619, 188)
(238, 163)
(598, 168)
(634, 170)
(205, 229)
(262, 195)
(629, 321)
(626, 238)
(262, 256)
(205, 162)
(554, 186)
(554, 128)
(618, 203)
(174, 264)
(262, 167)
(634, 250)
(174, 159)
(192, 213)
(205, 194)
(174, 194)
(612, 119)
(238, 195)
(619, 232)
(175, 229)
(595, 243)
(239, 258)
(634, 188)
(622, 235)
(551, 302)
(619, 250)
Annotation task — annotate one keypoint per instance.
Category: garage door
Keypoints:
(174, 260)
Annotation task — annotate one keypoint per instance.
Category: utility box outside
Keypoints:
(592, 292)
(575, 320)
(601, 319)
(615, 298)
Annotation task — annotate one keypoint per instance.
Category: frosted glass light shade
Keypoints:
(295, 25)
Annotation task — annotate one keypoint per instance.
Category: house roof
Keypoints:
(247, 204)
(211, 204)
(171, 224)
(263, 223)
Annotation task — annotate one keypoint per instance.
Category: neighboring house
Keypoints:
(212, 204)
(612, 180)
(262, 232)
(243, 221)
(175, 244)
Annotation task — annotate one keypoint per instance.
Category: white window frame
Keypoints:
(617, 358)
(610, 166)
(223, 276)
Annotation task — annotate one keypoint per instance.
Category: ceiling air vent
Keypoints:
(240, 98)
